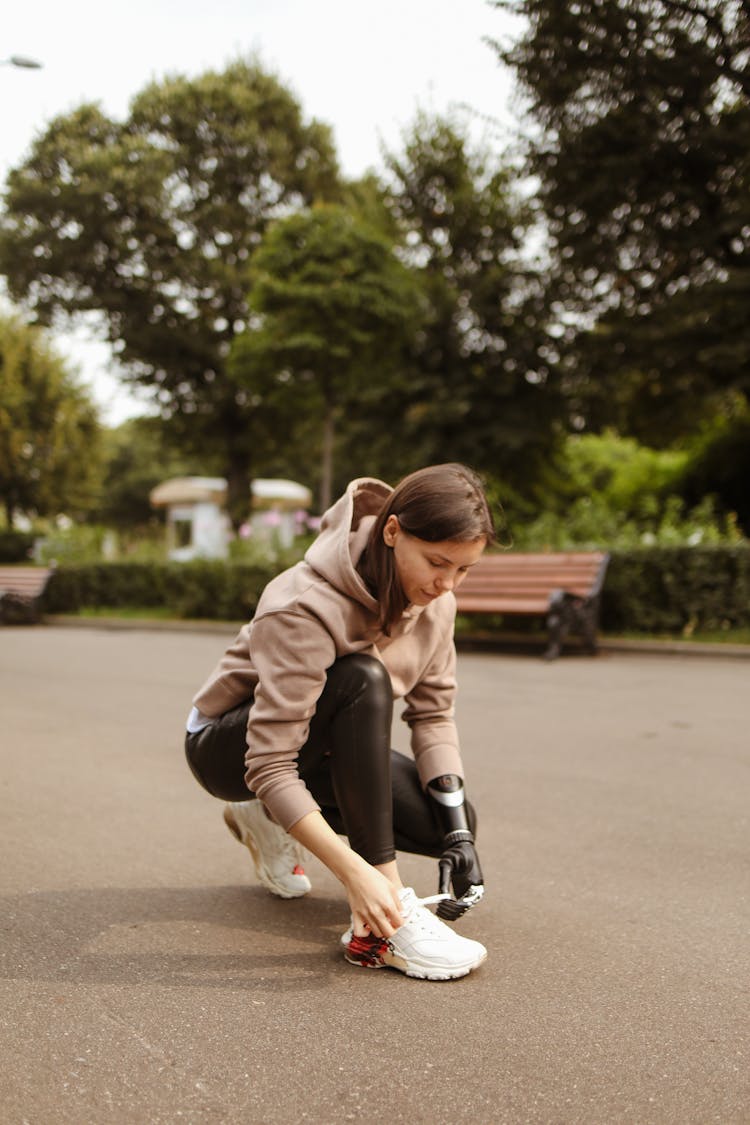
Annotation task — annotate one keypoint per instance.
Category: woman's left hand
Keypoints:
(373, 899)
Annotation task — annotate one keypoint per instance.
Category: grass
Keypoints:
(708, 637)
(535, 630)
(127, 613)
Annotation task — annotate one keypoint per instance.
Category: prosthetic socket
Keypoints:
(459, 863)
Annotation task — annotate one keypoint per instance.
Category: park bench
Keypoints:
(564, 588)
(21, 589)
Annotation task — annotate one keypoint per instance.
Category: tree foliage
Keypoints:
(153, 221)
(611, 492)
(641, 147)
(138, 455)
(336, 310)
(49, 430)
(719, 465)
(483, 387)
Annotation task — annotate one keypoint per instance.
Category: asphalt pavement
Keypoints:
(146, 977)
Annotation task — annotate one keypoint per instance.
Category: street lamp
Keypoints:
(22, 61)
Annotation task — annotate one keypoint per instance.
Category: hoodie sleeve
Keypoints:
(291, 652)
(430, 709)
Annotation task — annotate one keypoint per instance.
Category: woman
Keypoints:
(298, 712)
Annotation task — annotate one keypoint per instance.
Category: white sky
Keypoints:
(363, 68)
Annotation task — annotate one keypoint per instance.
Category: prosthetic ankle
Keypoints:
(459, 863)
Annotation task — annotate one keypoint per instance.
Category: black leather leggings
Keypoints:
(366, 791)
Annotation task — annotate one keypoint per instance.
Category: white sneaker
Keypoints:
(277, 856)
(423, 947)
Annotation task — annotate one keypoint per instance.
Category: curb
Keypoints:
(516, 643)
(477, 642)
(676, 648)
(143, 624)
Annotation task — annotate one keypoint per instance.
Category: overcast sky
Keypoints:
(363, 68)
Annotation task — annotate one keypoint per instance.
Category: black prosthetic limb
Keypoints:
(459, 862)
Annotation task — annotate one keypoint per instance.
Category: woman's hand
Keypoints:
(374, 902)
(373, 898)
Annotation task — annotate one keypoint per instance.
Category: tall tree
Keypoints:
(50, 454)
(641, 147)
(336, 311)
(139, 454)
(484, 387)
(152, 222)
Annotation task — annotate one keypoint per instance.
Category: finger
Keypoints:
(360, 926)
(445, 867)
(395, 917)
(386, 924)
(386, 920)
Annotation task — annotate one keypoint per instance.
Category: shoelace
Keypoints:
(424, 918)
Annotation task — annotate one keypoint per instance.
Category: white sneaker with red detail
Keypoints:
(277, 857)
(423, 947)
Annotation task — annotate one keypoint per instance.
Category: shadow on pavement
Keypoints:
(202, 936)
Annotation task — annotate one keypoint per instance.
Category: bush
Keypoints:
(213, 590)
(79, 543)
(591, 524)
(677, 590)
(216, 590)
(15, 546)
(654, 590)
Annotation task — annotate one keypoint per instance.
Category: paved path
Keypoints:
(147, 979)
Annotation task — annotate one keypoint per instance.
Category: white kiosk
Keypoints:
(199, 527)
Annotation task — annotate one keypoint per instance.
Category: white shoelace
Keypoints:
(424, 917)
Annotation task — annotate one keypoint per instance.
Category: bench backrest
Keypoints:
(531, 575)
(27, 581)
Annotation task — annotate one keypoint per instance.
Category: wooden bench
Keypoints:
(21, 589)
(565, 588)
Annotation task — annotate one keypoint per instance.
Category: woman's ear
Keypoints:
(391, 528)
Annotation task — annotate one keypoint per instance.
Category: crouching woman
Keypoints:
(293, 727)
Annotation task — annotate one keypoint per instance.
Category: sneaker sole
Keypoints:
(387, 959)
(264, 875)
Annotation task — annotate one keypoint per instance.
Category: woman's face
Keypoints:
(427, 570)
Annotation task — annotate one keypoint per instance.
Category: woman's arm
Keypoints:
(373, 899)
(429, 711)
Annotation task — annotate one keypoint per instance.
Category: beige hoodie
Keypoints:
(306, 618)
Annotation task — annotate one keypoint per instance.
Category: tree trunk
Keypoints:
(238, 488)
(326, 475)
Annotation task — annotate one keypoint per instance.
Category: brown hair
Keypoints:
(436, 504)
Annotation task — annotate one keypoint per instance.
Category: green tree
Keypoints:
(49, 430)
(718, 464)
(641, 148)
(152, 223)
(484, 387)
(336, 310)
(138, 455)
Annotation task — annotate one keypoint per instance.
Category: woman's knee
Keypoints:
(361, 666)
(360, 676)
(216, 756)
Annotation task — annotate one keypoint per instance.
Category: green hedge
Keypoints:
(215, 590)
(677, 589)
(15, 546)
(654, 590)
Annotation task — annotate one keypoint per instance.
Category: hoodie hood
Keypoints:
(344, 531)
